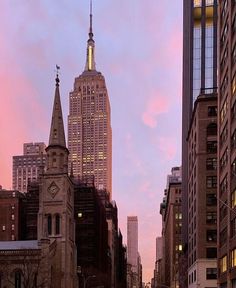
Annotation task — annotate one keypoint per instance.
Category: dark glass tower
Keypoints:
(199, 77)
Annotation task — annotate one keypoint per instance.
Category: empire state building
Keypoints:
(89, 123)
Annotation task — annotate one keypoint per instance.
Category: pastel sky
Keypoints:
(139, 51)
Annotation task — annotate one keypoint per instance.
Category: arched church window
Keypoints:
(49, 224)
(17, 279)
(57, 224)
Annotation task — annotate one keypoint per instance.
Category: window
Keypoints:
(212, 111)
(211, 199)
(212, 129)
(211, 163)
(17, 279)
(211, 235)
(224, 159)
(211, 252)
(223, 236)
(233, 199)
(57, 224)
(12, 227)
(211, 273)
(3, 228)
(49, 224)
(233, 168)
(211, 218)
(223, 111)
(211, 146)
(223, 264)
(233, 139)
(224, 185)
(233, 111)
(233, 258)
(233, 227)
(211, 181)
(178, 216)
(223, 210)
(233, 85)
(197, 3)
(224, 134)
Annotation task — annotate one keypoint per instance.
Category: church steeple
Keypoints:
(57, 133)
(90, 61)
(57, 152)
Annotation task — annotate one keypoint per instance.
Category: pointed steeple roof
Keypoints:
(57, 132)
(90, 60)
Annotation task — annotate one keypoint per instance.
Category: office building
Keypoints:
(132, 242)
(199, 77)
(202, 183)
(11, 216)
(89, 123)
(132, 250)
(171, 230)
(26, 167)
(227, 144)
(91, 235)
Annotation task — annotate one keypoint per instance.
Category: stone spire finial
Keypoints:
(57, 133)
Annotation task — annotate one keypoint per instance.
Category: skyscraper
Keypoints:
(89, 123)
(171, 246)
(26, 167)
(199, 77)
(132, 242)
(226, 192)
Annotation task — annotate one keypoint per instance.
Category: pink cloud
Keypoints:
(168, 146)
(155, 107)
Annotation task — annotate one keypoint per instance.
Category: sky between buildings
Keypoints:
(139, 51)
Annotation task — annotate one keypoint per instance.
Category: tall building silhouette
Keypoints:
(226, 193)
(199, 78)
(132, 252)
(26, 167)
(89, 123)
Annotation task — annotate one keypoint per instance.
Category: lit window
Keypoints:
(233, 199)
(3, 228)
(12, 217)
(12, 227)
(80, 215)
(223, 264)
(233, 258)
(197, 3)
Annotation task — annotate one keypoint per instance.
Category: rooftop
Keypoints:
(19, 245)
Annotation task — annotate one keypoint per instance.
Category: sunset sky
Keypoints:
(139, 51)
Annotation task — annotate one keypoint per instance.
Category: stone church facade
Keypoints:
(49, 261)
